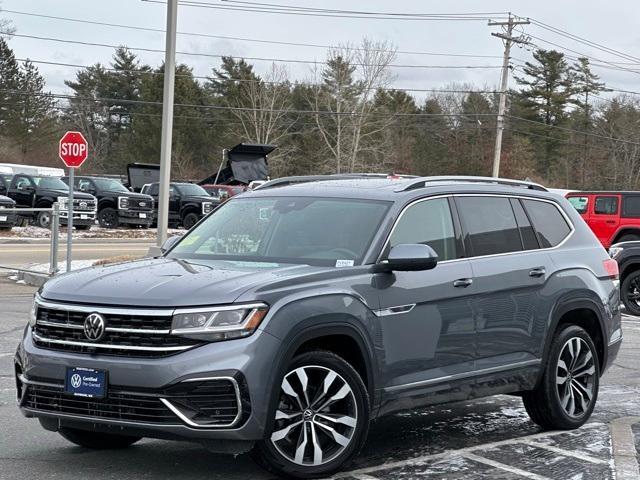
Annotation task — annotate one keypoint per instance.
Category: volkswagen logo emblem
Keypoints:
(94, 327)
(76, 380)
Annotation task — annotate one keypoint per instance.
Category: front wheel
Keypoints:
(630, 292)
(44, 220)
(321, 419)
(108, 218)
(97, 440)
(189, 220)
(567, 394)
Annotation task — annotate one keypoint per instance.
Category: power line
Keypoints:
(245, 80)
(338, 14)
(262, 59)
(241, 39)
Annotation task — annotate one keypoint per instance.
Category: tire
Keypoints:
(550, 404)
(279, 452)
(97, 440)
(189, 220)
(108, 218)
(83, 227)
(630, 292)
(43, 220)
(630, 237)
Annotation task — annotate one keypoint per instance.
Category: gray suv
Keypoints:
(292, 316)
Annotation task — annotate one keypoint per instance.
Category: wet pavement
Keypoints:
(491, 438)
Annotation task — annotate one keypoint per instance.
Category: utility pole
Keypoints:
(507, 36)
(167, 120)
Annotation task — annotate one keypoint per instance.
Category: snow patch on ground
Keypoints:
(37, 233)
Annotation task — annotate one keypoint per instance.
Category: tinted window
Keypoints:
(21, 182)
(550, 225)
(631, 206)
(430, 223)
(579, 203)
(527, 233)
(192, 189)
(53, 183)
(153, 189)
(606, 205)
(489, 224)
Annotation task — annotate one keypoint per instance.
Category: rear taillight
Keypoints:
(611, 266)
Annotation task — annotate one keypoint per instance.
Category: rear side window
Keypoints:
(489, 224)
(527, 233)
(606, 205)
(428, 222)
(631, 206)
(581, 204)
(550, 225)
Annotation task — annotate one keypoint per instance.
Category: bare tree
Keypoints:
(6, 27)
(346, 116)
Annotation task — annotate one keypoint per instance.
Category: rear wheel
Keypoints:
(108, 218)
(321, 419)
(189, 220)
(568, 391)
(630, 292)
(97, 440)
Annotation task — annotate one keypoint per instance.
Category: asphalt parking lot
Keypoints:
(489, 438)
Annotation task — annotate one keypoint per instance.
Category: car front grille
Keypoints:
(141, 204)
(125, 406)
(84, 205)
(198, 402)
(132, 334)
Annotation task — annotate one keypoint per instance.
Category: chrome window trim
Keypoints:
(112, 347)
(507, 195)
(193, 424)
(461, 376)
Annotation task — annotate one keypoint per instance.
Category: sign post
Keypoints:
(73, 151)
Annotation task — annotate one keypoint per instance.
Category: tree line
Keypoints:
(560, 130)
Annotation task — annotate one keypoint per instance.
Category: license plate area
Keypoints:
(143, 215)
(3, 218)
(86, 382)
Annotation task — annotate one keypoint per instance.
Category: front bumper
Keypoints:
(79, 218)
(248, 360)
(7, 219)
(133, 217)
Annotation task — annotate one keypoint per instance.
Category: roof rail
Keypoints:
(424, 182)
(284, 181)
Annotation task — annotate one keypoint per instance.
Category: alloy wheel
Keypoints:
(575, 377)
(316, 416)
(633, 291)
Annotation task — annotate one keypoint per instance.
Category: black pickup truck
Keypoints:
(116, 204)
(627, 254)
(7, 219)
(35, 191)
(188, 202)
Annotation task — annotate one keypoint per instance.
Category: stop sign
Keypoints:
(73, 149)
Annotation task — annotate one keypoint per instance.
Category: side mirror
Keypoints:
(155, 251)
(410, 258)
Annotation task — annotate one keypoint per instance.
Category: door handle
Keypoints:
(611, 222)
(462, 282)
(537, 272)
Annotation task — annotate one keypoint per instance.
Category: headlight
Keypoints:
(615, 251)
(223, 323)
(33, 314)
(206, 207)
(63, 203)
(123, 203)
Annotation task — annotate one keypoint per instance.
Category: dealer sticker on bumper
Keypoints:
(143, 215)
(86, 382)
(3, 219)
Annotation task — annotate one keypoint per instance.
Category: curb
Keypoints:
(624, 448)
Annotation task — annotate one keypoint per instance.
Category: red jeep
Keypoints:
(613, 216)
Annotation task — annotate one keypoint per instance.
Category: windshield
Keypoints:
(306, 230)
(53, 183)
(110, 185)
(191, 189)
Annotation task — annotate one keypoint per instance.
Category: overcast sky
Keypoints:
(598, 21)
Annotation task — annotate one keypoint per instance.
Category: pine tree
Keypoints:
(9, 85)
